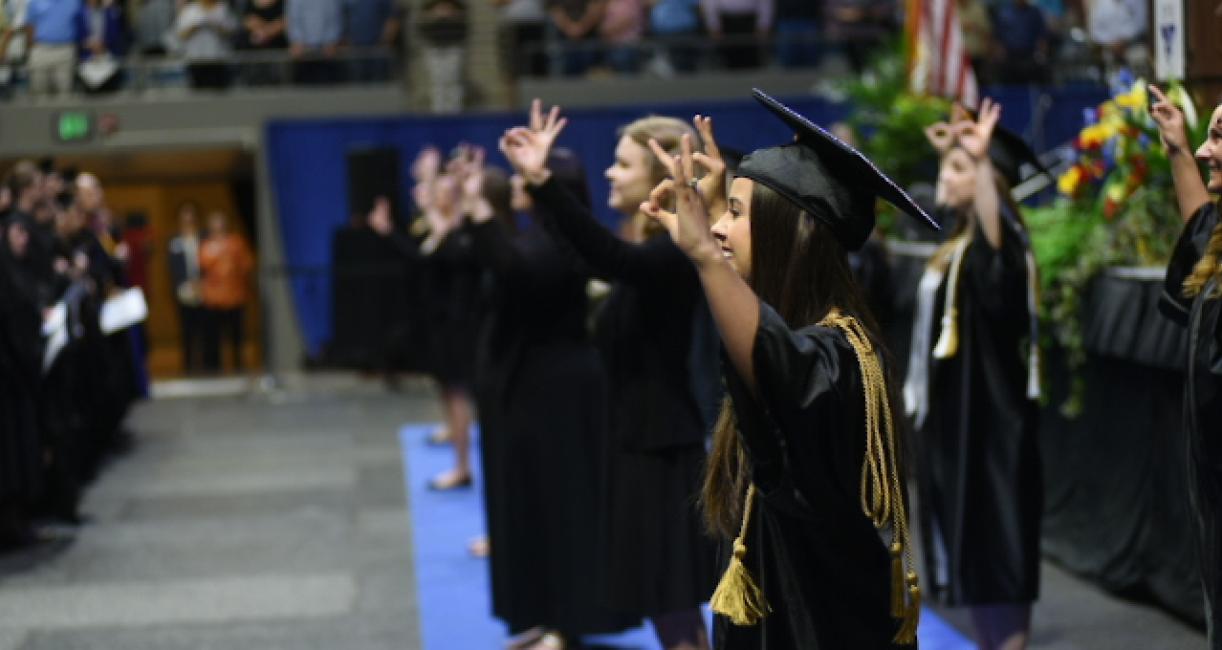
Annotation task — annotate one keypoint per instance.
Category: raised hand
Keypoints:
(688, 225)
(1170, 120)
(941, 136)
(712, 185)
(527, 149)
(427, 165)
(974, 137)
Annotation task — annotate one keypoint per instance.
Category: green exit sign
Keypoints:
(73, 126)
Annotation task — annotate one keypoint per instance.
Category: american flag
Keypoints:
(938, 62)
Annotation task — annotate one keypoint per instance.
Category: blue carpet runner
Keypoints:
(452, 587)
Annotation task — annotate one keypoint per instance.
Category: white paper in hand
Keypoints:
(123, 310)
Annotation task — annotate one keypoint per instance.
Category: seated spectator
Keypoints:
(621, 29)
(51, 28)
(370, 24)
(263, 29)
(522, 32)
(677, 23)
(103, 40)
(797, 33)
(859, 27)
(206, 29)
(1022, 35)
(315, 29)
(443, 26)
(154, 26)
(576, 21)
(733, 23)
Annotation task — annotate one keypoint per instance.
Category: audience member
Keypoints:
(206, 29)
(1022, 34)
(621, 29)
(263, 29)
(371, 24)
(102, 33)
(153, 24)
(797, 33)
(185, 277)
(226, 264)
(577, 22)
(676, 23)
(443, 27)
(977, 37)
(315, 29)
(738, 27)
(51, 28)
(859, 27)
(523, 30)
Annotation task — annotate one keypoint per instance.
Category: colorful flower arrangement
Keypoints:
(1116, 207)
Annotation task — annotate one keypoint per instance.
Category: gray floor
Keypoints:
(236, 523)
(279, 521)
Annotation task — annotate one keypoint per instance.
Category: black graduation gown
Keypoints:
(452, 295)
(541, 394)
(980, 478)
(821, 564)
(1202, 404)
(660, 559)
(20, 373)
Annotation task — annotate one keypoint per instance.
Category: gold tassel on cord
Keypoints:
(948, 340)
(882, 491)
(738, 597)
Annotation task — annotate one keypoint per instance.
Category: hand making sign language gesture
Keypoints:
(527, 149)
(1190, 190)
(689, 224)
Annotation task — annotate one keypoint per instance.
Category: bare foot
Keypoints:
(454, 479)
(479, 547)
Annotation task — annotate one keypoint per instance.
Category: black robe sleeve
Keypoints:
(997, 277)
(1188, 251)
(801, 375)
(495, 250)
(607, 256)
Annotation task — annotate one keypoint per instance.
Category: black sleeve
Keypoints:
(997, 277)
(608, 256)
(794, 370)
(539, 272)
(1188, 251)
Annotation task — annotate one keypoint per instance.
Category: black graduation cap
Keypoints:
(826, 177)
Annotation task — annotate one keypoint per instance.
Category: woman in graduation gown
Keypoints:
(806, 472)
(661, 565)
(1193, 297)
(542, 401)
(972, 384)
(21, 455)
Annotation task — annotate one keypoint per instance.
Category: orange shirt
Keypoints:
(226, 263)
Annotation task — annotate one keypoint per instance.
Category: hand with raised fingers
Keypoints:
(941, 136)
(974, 137)
(527, 149)
(1170, 120)
(427, 165)
(688, 225)
(712, 185)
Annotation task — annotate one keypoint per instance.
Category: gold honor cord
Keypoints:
(739, 598)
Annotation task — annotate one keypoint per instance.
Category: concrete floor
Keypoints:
(279, 520)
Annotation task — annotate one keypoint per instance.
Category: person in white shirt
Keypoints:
(206, 30)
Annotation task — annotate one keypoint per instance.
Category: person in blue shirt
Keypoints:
(315, 29)
(677, 21)
(102, 32)
(370, 24)
(51, 27)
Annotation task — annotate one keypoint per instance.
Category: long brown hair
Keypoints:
(1207, 268)
(800, 269)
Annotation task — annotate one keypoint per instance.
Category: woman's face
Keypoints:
(519, 200)
(733, 229)
(630, 177)
(18, 240)
(956, 180)
(216, 224)
(445, 194)
(1210, 152)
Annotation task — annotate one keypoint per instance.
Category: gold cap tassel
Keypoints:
(948, 340)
